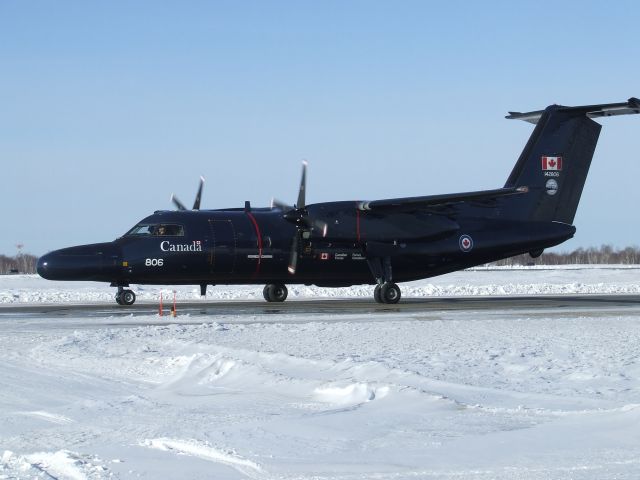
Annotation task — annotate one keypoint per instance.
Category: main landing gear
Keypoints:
(386, 291)
(275, 292)
(125, 297)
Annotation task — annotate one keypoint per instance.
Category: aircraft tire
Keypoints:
(127, 297)
(275, 292)
(376, 294)
(390, 293)
(118, 300)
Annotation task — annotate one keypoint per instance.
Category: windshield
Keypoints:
(159, 229)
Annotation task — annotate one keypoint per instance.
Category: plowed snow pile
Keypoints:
(572, 279)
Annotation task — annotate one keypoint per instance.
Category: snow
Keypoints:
(206, 452)
(572, 279)
(496, 394)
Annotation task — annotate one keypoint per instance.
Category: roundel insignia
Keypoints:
(466, 243)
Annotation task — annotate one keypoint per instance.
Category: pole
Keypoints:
(174, 312)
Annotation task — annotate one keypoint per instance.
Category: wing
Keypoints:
(419, 203)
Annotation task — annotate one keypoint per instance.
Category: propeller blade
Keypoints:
(293, 258)
(196, 204)
(322, 226)
(281, 205)
(303, 186)
(177, 202)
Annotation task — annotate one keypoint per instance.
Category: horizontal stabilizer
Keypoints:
(415, 203)
(631, 106)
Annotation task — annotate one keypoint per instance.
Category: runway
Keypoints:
(335, 307)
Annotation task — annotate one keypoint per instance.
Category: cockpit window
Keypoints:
(168, 229)
(160, 229)
(141, 230)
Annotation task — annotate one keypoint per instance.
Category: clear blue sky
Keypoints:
(106, 108)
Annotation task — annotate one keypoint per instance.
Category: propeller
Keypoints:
(299, 216)
(196, 204)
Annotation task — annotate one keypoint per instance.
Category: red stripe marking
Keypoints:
(357, 222)
(259, 235)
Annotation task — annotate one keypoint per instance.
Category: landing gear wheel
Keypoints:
(127, 297)
(376, 294)
(390, 293)
(118, 300)
(275, 292)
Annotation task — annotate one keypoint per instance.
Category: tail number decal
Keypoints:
(154, 262)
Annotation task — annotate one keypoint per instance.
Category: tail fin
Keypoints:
(555, 161)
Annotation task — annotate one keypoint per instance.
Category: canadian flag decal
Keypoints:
(552, 163)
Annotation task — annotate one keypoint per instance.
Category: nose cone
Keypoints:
(42, 267)
(84, 262)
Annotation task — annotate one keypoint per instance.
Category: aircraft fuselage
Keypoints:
(252, 247)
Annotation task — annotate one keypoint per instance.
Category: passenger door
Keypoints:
(222, 248)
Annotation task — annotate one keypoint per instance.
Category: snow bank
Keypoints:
(572, 279)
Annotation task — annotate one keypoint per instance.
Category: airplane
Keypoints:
(343, 243)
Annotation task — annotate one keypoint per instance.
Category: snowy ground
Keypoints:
(436, 394)
(575, 279)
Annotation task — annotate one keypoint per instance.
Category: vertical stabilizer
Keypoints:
(555, 161)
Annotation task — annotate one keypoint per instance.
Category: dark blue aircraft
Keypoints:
(375, 242)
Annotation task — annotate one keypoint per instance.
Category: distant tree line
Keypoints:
(604, 254)
(22, 263)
